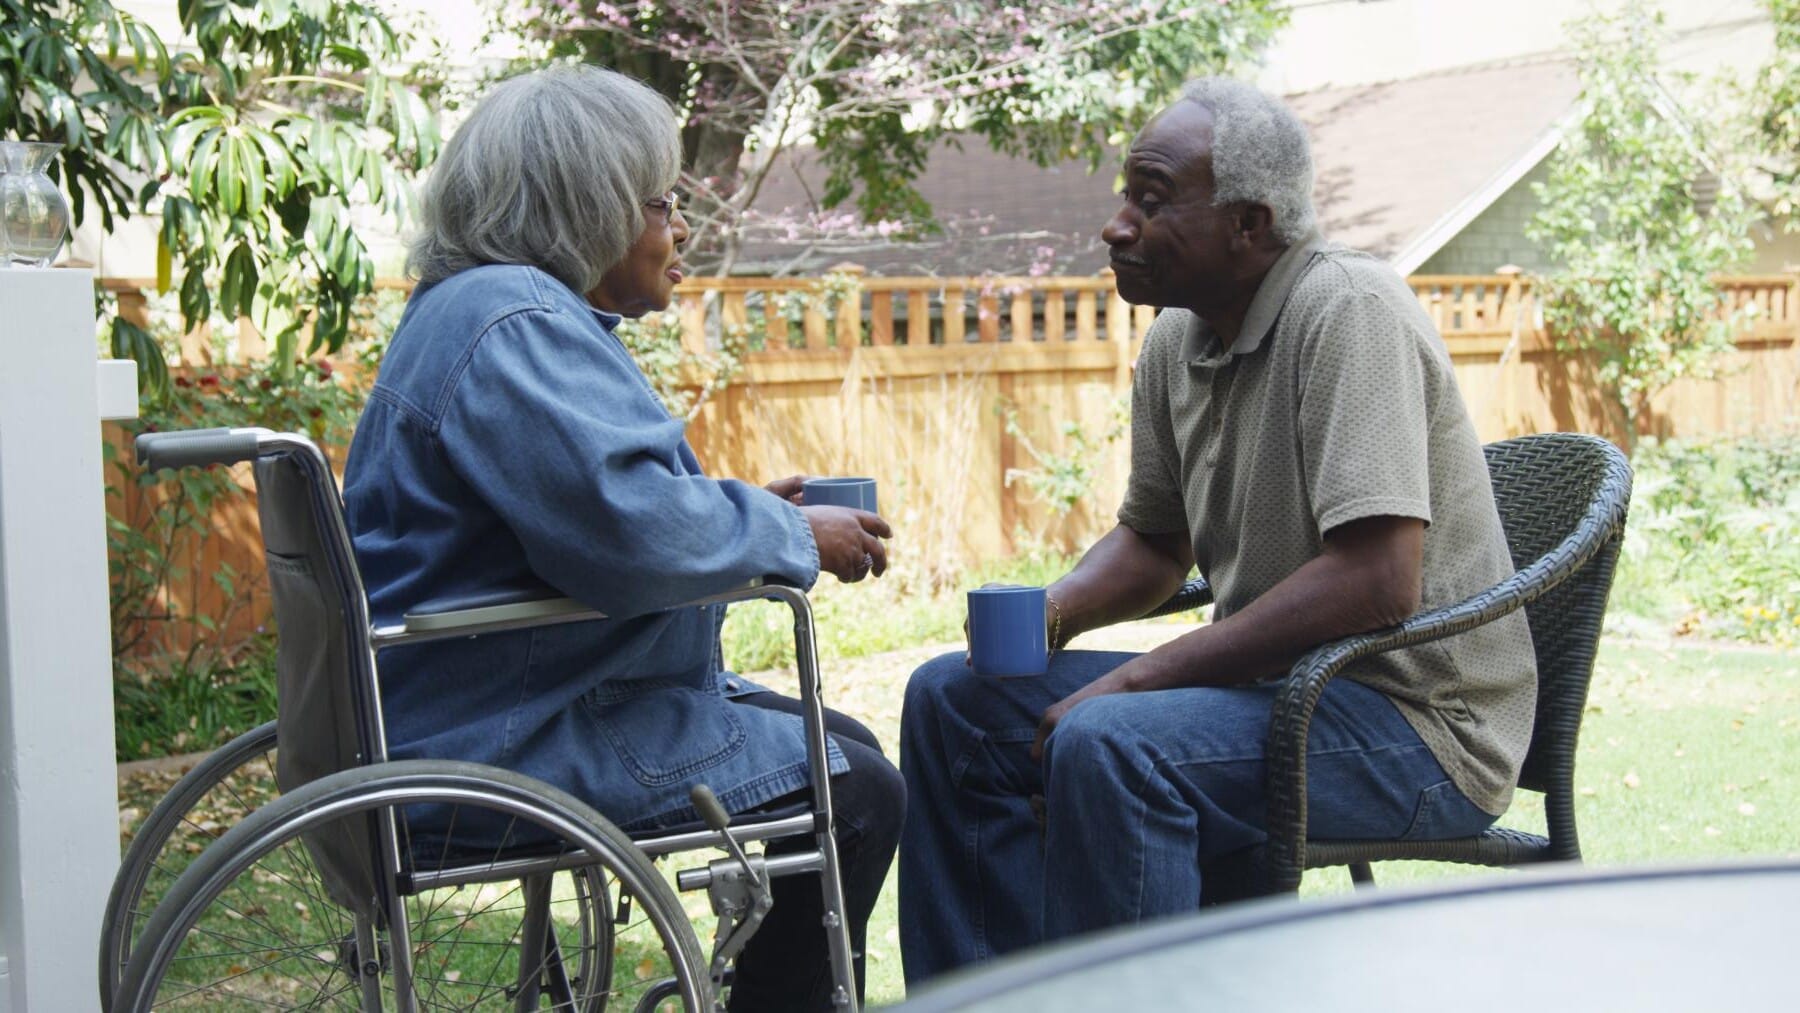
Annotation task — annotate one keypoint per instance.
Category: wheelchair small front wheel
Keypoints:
(502, 898)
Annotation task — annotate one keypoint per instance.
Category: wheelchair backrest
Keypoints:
(329, 717)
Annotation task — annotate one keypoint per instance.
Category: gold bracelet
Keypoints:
(1055, 624)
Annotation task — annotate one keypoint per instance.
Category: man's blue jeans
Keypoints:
(1139, 790)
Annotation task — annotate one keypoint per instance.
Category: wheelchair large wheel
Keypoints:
(502, 904)
(236, 780)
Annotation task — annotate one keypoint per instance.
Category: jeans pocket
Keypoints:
(1439, 814)
(668, 733)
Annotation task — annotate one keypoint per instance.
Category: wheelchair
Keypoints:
(373, 884)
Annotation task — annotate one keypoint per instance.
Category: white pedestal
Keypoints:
(59, 825)
(115, 382)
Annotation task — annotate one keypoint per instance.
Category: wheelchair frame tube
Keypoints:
(806, 661)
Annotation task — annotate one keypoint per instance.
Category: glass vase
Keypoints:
(34, 217)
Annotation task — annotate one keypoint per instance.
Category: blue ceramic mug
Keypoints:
(849, 492)
(1006, 631)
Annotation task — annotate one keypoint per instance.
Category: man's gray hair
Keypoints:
(551, 170)
(1259, 152)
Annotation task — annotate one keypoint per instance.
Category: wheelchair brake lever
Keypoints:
(739, 886)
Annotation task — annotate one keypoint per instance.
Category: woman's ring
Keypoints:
(867, 563)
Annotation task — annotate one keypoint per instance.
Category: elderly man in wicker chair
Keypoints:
(1297, 435)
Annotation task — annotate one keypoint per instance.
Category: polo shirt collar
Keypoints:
(1202, 345)
(610, 321)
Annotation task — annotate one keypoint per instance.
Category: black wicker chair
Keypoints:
(1562, 499)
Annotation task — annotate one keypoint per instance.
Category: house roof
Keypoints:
(1400, 168)
(1000, 215)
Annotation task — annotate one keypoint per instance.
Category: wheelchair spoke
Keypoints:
(214, 988)
(253, 923)
(505, 908)
(218, 793)
(306, 957)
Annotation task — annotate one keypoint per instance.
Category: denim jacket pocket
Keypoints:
(668, 733)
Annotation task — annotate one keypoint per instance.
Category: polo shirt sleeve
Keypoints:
(553, 425)
(1364, 414)
(1153, 495)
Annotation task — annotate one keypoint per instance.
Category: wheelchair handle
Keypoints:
(707, 805)
(185, 448)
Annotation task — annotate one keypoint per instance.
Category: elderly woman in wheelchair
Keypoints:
(515, 475)
(512, 444)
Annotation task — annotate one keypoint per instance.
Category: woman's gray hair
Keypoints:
(1259, 152)
(551, 170)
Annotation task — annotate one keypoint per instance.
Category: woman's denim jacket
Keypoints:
(511, 445)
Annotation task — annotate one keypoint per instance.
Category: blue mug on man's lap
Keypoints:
(848, 492)
(1006, 631)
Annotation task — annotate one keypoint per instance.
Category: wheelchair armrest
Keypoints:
(468, 615)
(508, 611)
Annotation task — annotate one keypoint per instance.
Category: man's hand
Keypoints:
(1111, 682)
(788, 488)
(1367, 578)
(849, 541)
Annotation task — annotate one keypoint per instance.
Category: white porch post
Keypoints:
(59, 829)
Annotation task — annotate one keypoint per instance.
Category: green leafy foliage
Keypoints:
(193, 706)
(1623, 214)
(71, 73)
(1775, 98)
(1064, 481)
(1710, 549)
(255, 136)
(289, 121)
(684, 380)
(155, 520)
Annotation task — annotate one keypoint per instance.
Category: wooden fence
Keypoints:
(918, 387)
(991, 409)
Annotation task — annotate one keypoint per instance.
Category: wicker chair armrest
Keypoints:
(1299, 693)
(1191, 595)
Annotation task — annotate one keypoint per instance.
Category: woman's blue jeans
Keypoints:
(1139, 791)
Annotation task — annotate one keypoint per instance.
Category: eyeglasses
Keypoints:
(669, 203)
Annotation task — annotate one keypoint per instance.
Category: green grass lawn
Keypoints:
(1688, 753)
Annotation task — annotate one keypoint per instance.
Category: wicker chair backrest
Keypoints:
(1559, 494)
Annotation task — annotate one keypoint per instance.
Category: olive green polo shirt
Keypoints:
(1337, 402)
